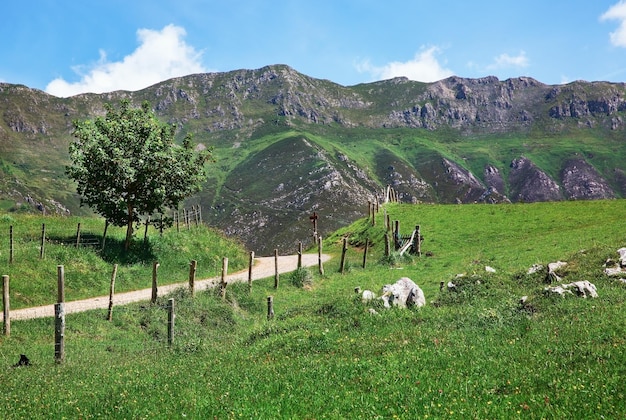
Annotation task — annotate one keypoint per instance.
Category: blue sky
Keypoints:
(67, 47)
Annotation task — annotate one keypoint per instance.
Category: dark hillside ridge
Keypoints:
(287, 144)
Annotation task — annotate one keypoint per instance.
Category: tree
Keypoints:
(127, 164)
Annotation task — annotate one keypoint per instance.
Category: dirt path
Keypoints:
(264, 267)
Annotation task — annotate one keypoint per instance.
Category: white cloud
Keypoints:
(160, 55)
(617, 12)
(424, 67)
(505, 61)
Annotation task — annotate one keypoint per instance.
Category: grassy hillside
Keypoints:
(88, 269)
(409, 159)
(374, 150)
(472, 354)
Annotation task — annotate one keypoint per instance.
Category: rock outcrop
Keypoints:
(528, 183)
(581, 181)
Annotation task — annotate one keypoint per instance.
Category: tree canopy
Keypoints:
(127, 165)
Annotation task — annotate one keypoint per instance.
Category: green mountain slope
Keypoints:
(287, 145)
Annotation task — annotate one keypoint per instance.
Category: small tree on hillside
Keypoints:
(126, 164)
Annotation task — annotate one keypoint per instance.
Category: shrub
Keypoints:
(302, 277)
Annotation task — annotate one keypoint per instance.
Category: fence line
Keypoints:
(22, 242)
(192, 218)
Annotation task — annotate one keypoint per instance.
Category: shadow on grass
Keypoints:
(139, 252)
(114, 253)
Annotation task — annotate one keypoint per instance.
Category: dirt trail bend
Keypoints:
(263, 267)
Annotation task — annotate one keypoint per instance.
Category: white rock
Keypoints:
(585, 288)
(535, 268)
(490, 269)
(622, 256)
(613, 271)
(559, 290)
(552, 267)
(403, 293)
(368, 295)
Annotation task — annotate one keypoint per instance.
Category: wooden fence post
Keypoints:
(367, 242)
(59, 332)
(111, 292)
(344, 249)
(78, 235)
(11, 244)
(60, 284)
(250, 264)
(418, 241)
(396, 235)
(270, 307)
(6, 305)
(300, 254)
(319, 255)
(192, 276)
(223, 280)
(275, 268)
(314, 218)
(387, 245)
(43, 241)
(155, 267)
(171, 316)
(59, 317)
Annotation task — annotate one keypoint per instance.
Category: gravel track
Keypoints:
(263, 267)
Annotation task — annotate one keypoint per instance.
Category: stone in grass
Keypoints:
(583, 288)
(368, 295)
(552, 276)
(619, 268)
(403, 293)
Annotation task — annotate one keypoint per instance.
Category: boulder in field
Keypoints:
(403, 293)
(582, 288)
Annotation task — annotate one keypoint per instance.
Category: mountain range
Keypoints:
(287, 145)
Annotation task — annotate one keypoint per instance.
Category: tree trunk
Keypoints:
(129, 227)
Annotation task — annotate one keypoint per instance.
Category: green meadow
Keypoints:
(473, 353)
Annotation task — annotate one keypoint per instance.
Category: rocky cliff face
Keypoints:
(529, 183)
(289, 144)
(582, 181)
